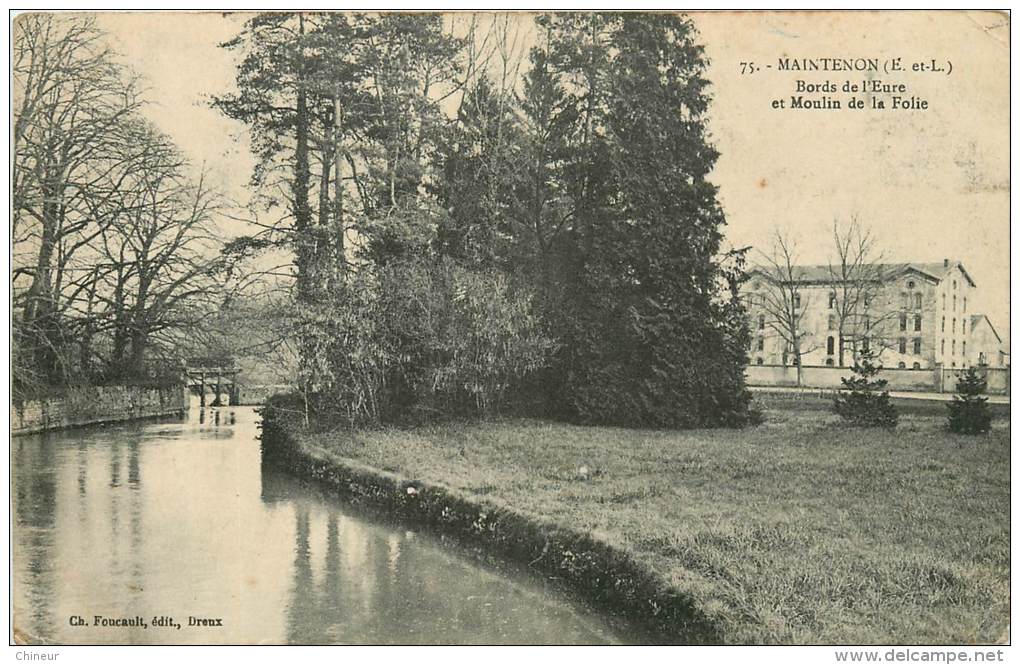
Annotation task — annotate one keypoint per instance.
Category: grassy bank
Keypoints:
(797, 531)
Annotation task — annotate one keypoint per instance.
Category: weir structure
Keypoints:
(218, 375)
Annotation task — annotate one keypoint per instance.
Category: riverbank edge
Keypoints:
(85, 408)
(608, 577)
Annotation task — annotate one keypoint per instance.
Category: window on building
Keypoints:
(867, 300)
(903, 344)
(866, 345)
(954, 303)
(903, 321)
(832, 321)
(829, 362)
(917, 346)
(954, 349)
(963, 350)
(796, 300)
(942, 349)
(832, 300)
(760, 361)
(963, 326)
(943, 324)
(761, 322)
(910, 284)
(905, 300)
(943, 301)
(830, 345)
(761, 344)
(917, 322)
(954, 325)
(965, 304)
(981, 359)
(917, 301)
(867, 323)
(953, 364)
(901, 365)
(954, 283)
(917, 366)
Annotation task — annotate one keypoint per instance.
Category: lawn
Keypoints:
(800, 530)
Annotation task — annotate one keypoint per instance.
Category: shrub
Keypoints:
(417, 340)
(864, 400)
(968, 412)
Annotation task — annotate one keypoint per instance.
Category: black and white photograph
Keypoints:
(503, 327)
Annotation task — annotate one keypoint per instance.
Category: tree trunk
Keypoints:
(338, 202)
(85, 345)
(38, 313)
(121, 326)
(137, 357)
(302, 177)
(796, 358)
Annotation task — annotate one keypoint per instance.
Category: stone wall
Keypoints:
(909, 380)
(96, 404)
(997, 378)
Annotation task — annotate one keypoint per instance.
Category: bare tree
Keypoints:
(114, 254)
(857, 274)
(783, 300)
(70, 98)
(161, 258)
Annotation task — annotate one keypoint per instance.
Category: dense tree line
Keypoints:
(113, 241)
(411, 168)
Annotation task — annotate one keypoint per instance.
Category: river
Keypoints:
(155, 523)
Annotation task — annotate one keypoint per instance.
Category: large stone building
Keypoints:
(913, 315)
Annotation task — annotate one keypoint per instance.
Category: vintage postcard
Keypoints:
(511, 328)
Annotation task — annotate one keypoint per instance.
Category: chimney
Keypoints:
(945, 263)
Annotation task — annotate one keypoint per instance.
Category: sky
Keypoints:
(930, 184)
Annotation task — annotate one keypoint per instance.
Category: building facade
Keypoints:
(912, 315)
(986, 348)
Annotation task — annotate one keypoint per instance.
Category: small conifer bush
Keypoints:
(864, 400)
(968, 412)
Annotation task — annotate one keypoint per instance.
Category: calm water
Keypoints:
(179, 519)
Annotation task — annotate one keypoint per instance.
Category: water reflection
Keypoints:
(34, 511)
(180, 518)
(216, 414)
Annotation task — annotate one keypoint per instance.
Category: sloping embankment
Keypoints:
(605, 575)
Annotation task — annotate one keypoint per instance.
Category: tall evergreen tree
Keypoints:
(652, 333)
(343, 112)
(274, 81)
(480, 165)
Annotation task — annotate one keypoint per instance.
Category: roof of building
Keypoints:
(824, 273)
(976, 319)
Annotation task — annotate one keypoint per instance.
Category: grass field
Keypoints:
(800, 530)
